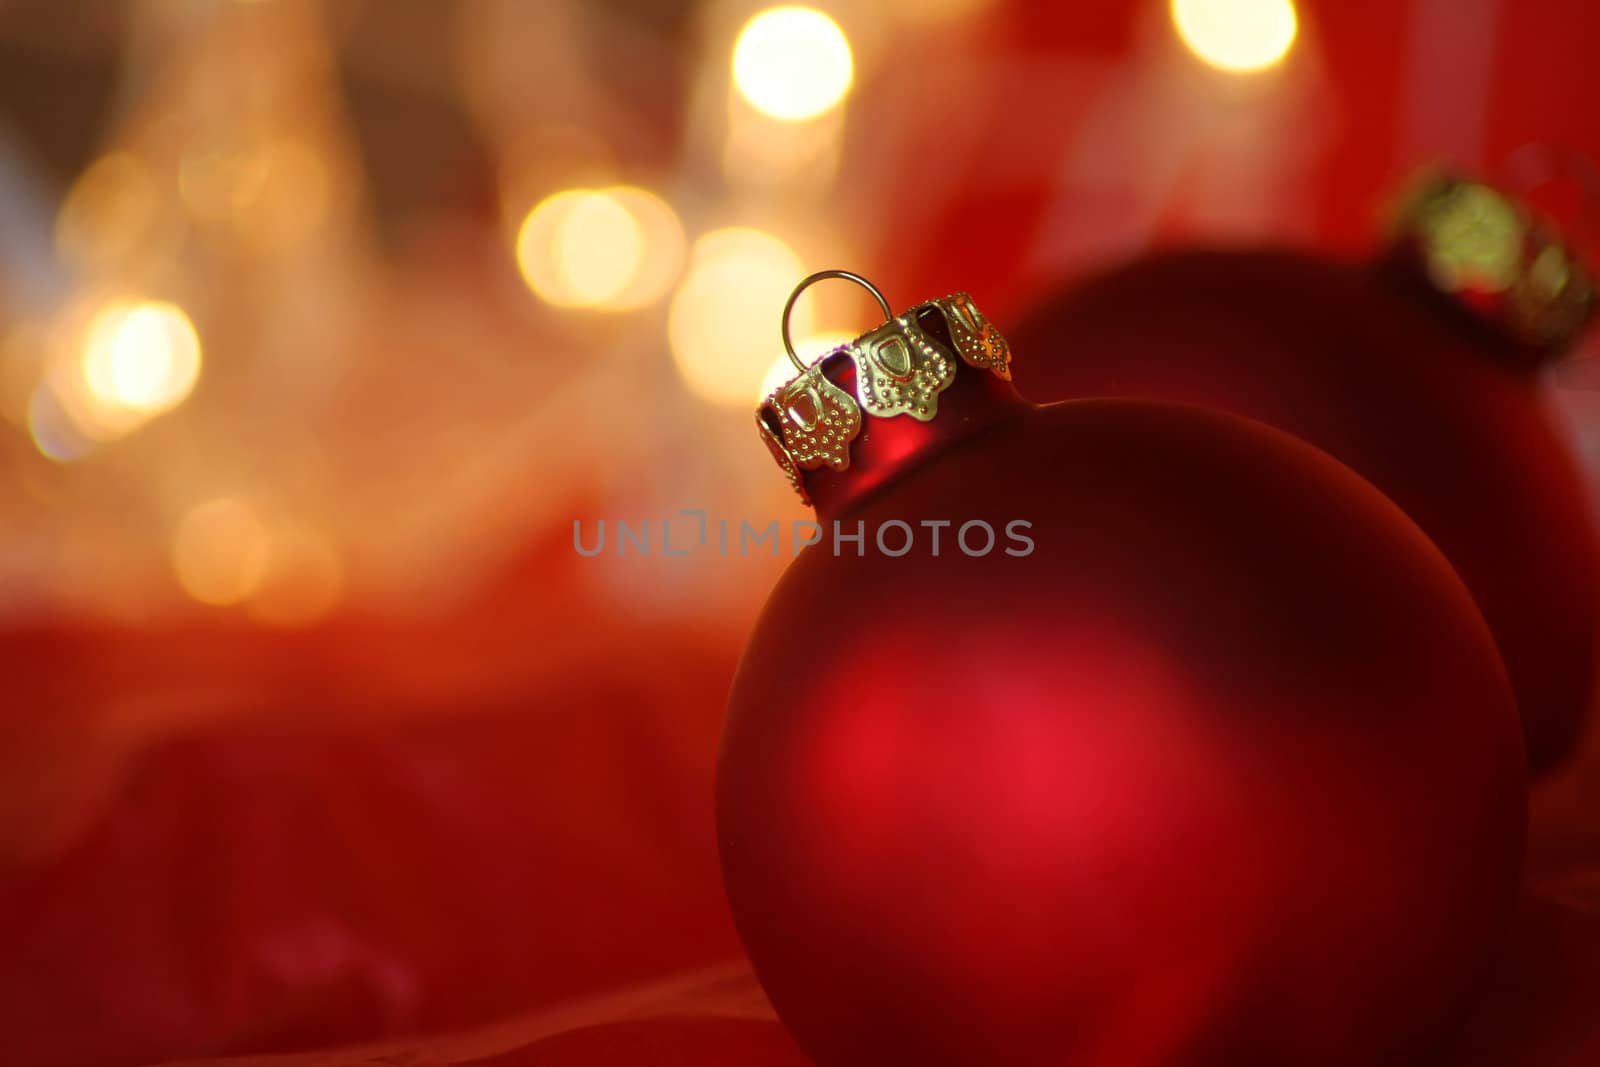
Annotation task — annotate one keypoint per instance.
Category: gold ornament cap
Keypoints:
(1485, 250)
(896, 370)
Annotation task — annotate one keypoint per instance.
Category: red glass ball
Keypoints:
(1363, 362)
(1225, 771)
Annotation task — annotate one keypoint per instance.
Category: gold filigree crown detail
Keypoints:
(1484, 249)
(900, 370)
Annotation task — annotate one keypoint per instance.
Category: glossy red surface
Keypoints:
(1434, 411)
(1226, 772)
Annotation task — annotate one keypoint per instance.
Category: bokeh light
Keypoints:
(143, 357)
(723, 323)
(110, 211)
(302, 580)
(284, 195)
(55, 433)
(220, 552)
(215, 182)
(660, 259)
(133, 361)
(792, 63)
(1241, 36)
(598, 248)
(765, 158)
(610, 249)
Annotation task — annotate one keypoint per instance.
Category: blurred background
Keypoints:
(321, 321)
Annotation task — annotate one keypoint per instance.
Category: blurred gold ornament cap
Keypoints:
(1486, 250)
(896, 369)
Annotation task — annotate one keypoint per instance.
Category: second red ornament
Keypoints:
(1420, 370)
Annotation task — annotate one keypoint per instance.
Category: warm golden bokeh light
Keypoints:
(809, 348)
(1240, 36)
(55, 433)
(723, 323)
(109, 212)
(220, 552)
(662, 255)
(551, 248)
(610, 249)
(770, 158)
(598, 248)
(792, 63)
(133, 361)
(215, 182)
(303, 579)
(283, 197)
(143, 357)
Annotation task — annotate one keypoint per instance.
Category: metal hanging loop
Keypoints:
(807, 282)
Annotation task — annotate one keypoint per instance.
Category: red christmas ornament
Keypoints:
(1205, 756)
(1438, 405)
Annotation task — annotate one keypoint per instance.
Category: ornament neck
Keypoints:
(887, 402)
(1467, 317)
(888, 448)
(1480, 253)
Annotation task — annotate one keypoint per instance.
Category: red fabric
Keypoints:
(317, 875)
(711, 1018)
(978, 183)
